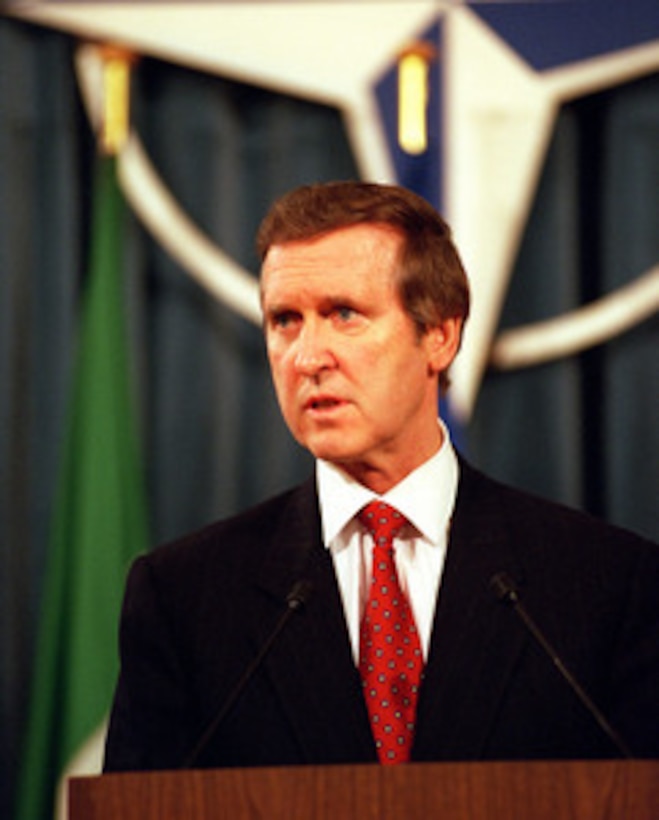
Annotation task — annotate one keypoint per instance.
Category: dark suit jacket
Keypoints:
(196, 613)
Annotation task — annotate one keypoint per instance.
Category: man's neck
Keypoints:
(380, 477)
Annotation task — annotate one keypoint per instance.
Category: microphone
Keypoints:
(504, 588)
(297, 597)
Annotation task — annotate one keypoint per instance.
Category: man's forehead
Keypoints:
(364, 246)
(376, 232)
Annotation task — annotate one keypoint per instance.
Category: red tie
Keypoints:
(390, 659)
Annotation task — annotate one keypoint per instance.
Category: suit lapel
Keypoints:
(312, 667)
(472, 653)
(472, 650)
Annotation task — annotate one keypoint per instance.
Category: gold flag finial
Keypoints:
(413, 65)
(117, 64)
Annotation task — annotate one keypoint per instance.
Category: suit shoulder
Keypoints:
(524, 511)
(231, 537)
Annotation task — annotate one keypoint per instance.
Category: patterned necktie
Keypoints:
(390, 659)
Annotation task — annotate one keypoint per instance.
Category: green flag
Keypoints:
(99, 526)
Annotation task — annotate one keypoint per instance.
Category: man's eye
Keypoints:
(344, 312)
(283, 319)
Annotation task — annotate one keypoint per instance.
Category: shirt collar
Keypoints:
(426, 496)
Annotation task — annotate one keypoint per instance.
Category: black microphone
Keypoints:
(295, 600)
(506, 591)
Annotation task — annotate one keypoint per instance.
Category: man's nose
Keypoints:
(312, 350)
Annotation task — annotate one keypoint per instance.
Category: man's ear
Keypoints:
(442, 343)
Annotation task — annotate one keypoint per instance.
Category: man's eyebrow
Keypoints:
(276, 308)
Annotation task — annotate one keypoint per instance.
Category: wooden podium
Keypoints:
(615, 790)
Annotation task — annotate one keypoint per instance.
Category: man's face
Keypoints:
(356, 384)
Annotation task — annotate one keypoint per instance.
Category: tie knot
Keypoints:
(382, 521)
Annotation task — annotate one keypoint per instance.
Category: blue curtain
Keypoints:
(213, 438)
(584, 430)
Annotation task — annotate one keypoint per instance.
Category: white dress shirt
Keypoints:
(426, 497)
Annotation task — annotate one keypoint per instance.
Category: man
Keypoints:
(364, 300)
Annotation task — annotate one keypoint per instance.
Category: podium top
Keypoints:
(589, 790)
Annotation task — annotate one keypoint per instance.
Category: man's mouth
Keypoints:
(320, 403)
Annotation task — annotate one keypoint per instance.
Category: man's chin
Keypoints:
(333, 449)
